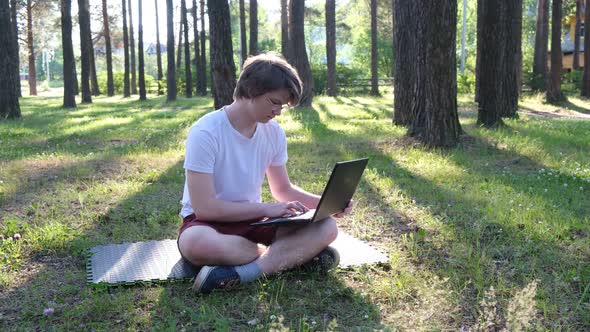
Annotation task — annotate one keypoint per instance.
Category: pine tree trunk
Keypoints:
(404, 79)
(93, 75)
(31, 47)
(511, 81)
(171, 75)
(13, 10)
(298, 51)
(254, 27)
(331, 46)
(434, 120)
(142, 92)
(69, 66)
(284, 29)
(126, 87)
(554, 93)
(374, 59)
(179, 53)
(203, 81)
(198, 71)
(243, 41)
(187, 53)
(576, 64)
(9, 104)
(85, 49)
(158, 51)
(480, 8)
(541, 46)
(223, 69)
(107, 40)
(132, 67)
(586, 80)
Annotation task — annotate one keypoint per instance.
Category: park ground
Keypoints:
(490, 234)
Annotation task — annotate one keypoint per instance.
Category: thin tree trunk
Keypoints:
(9, 104)
(85, 49)
(298, 51)
(142, 92)
(576, 64)
(187, 53)
(93, 75)
(198, 71)
(13, 10)
(30, 45)
(331, 46)
(132, 48)
(158, 51)
(554, 93)
(68, 55)
(586, 80)
(179, 53)
(541, 46)
(254, 27)
(404, 79)
(171, 75)
(243, 42)
(202, 88)
(223, 69)
(284, 29)
(126, 88)
(107, 40)
(374, 59)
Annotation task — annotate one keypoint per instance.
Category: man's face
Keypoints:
(270, 104)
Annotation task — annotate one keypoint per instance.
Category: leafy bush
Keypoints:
(151, 85)
(466, 82)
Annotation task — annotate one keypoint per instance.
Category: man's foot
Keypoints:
(215, 277)
(326, 260)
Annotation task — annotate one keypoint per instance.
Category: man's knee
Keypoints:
(195, 244)
(329, 230)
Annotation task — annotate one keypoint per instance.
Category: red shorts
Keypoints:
(257, 234)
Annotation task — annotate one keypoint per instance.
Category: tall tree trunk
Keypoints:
(404, 79)
(179, 53)
(576, 64)
(554, 93)
(284, 29)
(331, 46)
(14, 31)
(85, 49)
(142, 92)
(223, 69)
(93, 75)
(586, 80)
(298, 51)
(499, 81)
(69, 68)
(171, 75)
(187, 53)
(243, 42)
(9, 104)
(107, 40)
(31, 46)
(254, 27)
(126, 88)
(202, 88)
(132, 48)
(198, 71)
(541, 46)
(480, 7)
(158, 51)
(374, 59)
(434, 118)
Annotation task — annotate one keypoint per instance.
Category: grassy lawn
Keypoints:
(493, 233)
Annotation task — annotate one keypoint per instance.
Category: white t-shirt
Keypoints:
(238, 163)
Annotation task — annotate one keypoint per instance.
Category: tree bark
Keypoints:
(586, 80)
(9, 104)
(298, 51)
(541, 46)
(68, 55)
(202, 87)
(576, 64)
(85, 49)
(331, 46)
(31, 47)
(132, 67)
(404, 79)
(554, 93)
(158, 51)
(13, 11)
(126, 87)
(284, 29)
(374, 59)
(179, 53)
(243, 41)
(187, 53)
(512, 80)
(198, 71)
(480, 7)
(223, 69)
(434, 119)
(142, 92)
(93, 75)
(254, 27)
(107, 40)
(171, 75)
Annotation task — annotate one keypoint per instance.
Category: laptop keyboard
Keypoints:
(300, 215)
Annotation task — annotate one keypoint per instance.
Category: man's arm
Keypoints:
(208, 207)
(284, 191)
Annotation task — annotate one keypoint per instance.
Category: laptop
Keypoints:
(342, 184)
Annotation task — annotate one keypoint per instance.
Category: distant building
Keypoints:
(151, 50)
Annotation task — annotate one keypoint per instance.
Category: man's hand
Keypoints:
(346, 211)
(284, 209)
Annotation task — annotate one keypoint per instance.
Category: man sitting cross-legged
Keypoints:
(228, 154)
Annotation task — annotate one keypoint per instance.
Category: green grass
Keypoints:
(494, 231)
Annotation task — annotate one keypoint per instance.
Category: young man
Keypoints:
(228, 153)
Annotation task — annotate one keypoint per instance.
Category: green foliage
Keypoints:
(572, 81)
(465, 83)
(151, 84)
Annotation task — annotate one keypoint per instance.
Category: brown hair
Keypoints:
(268, 72)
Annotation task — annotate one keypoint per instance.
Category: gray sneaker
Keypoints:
(328, 259)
